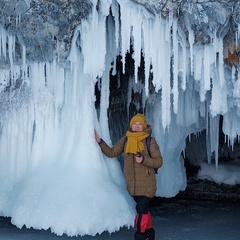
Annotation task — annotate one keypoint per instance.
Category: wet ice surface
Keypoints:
(178, 219)
(198, 220)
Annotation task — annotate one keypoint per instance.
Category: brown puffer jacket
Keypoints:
(140, 178)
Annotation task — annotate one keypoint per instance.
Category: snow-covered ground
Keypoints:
(227, 173)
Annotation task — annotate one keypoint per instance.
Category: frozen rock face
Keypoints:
(44, 27)
(204, 17)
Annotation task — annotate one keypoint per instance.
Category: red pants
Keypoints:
(143, 222)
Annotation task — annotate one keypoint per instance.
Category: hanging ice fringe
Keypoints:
(48, 153)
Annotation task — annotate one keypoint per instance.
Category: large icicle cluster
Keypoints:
(53, 174)
(193, 86)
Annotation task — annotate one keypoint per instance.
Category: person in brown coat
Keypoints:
(139, 170)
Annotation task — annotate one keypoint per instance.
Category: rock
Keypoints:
(44, 27)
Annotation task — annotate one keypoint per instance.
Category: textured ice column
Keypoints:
(160, 50)
(214, 137)
(208, 60)
(236, 85)
(166, 88)
(11, 49)
(171, 176)
(147, 43)
(218, 47)
(95, 28)
(203, 64)
(183, 60)
(103, 126)
(3, 41)
(156, 49)
(125, 8)
(115, 13)
(218, 101)
(231, 123)
(175, 66)
(198, 62)
(137, 39)
(140, 20)
(191, 40)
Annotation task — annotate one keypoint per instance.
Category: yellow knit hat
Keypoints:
(139, 118)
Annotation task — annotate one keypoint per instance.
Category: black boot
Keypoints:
(140, 236)
(150, 233)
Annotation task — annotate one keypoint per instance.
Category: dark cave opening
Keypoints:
(121, 109)
(196, 153)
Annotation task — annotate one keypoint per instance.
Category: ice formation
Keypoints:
(53, 174)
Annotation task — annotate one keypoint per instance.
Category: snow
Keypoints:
(53, 174)
(226, 173)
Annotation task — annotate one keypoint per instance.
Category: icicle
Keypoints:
(136, 21)
(24, 58)
(183, 61)
(157, 49)
(11, 48)
(218, 101)
(218, 47)
(1, 41)
(208, 60)
(94, 51)
(236, 38)
(191, 42)
(105, 88)
(166, 102)
(104, 104)
(236, 90)
(198, 59)
(202, 70)
(115, 12)
(208, 136)
(147, 25)
(214, 137)
(238, 34)
(148, 47)
(231, 124)
(125, 29)
(175, 67)
(4, 42)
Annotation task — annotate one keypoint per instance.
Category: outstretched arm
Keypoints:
(109, 151)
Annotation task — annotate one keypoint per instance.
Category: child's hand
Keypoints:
(98, 139)
(139, 157)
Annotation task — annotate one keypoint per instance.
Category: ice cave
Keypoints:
(69, 67)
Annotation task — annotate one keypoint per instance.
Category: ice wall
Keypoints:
(193, 86)
(53, 174)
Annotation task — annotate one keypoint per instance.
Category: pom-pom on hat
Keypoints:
(139, 118)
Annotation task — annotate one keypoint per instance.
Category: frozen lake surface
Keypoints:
(172, 219)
